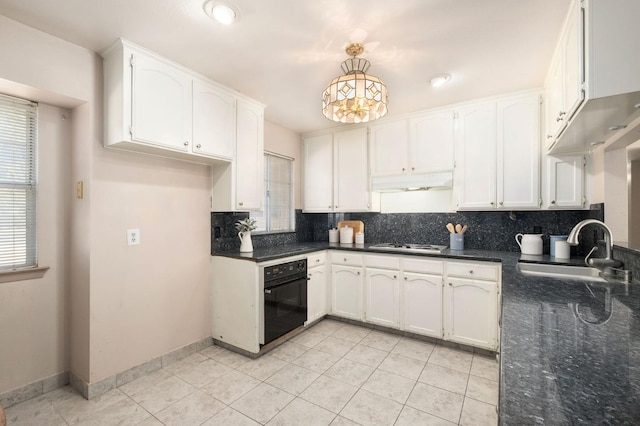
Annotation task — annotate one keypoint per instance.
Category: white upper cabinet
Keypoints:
(389, 148)
(420, 144)
(249, 156)
(476, 156)
(214, 112)
(158, 107)
(564, 91)
(336, 172)
(239, 186)
(565, 182)
(518, 171)
(498, 154)
(161, 104)
(594, 80)
(431, 142)
(318, 173)
(351, 171)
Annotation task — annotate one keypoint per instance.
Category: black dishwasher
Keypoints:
(285, 298)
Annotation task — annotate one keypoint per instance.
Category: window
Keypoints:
(18, 182)
(278, 207)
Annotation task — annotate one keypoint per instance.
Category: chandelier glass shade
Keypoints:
(355, 97)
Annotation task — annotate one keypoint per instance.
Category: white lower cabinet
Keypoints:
(346, 292)
(421, 304)
(382, 295)
(317, 287)
(470, 303)
(450, 300)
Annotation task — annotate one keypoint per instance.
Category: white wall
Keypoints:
(616, 199)
(127, 305)
(34, 313)
(288, 143)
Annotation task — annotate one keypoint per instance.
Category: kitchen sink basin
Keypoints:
(567, 272)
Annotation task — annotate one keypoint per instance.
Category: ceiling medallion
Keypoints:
(355, 97)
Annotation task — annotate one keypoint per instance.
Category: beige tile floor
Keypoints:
(331, 374)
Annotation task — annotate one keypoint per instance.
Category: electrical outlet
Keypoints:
(133, 237)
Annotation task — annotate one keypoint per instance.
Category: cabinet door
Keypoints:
(471, 312)
(346, 294)
(214, 121)
(431, 142)
(249, 156)
(382, 294)
(555, 122)
(318, 174)
(351, 177)
(518, 180)
(572, 46)
(565, 181)
(161, 104)
(316, 293)
(476, 156)
(421, 305)
(389, 148)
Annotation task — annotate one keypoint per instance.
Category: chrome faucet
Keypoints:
(608, 261)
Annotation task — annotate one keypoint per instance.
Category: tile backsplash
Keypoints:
(487, 230)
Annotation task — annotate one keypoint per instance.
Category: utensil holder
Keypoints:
(456, 241)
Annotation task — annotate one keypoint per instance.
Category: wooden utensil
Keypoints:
(451, 228)
(459, 228)
(464, 229)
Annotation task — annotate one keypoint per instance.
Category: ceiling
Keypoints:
(284, 52)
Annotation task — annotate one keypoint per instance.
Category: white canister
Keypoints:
(359, 237)
(334, 236)
(562, 250)
(346, 235)
(530, 243)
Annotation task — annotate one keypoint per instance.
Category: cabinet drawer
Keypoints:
(382, 262)
(478, 271)
(344, 258)
(316, 259)
(435, 267)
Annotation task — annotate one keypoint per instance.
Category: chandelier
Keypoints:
(355, 97)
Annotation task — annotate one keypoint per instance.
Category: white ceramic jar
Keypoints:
(530, 243)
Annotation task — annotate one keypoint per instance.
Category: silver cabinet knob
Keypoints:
(470, 271)
(403, 169)
(241, 203)
(198, 146)
(186, 143)
(501, 203)
(317, 260)
(553, 201)
(492, 203)
(358, 272)
(394, 277)
(328, 207)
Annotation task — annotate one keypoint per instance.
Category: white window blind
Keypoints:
(278, 209)
(18, 182)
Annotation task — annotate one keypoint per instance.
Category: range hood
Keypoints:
(440, 180)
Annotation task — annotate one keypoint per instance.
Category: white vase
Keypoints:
(246, 246)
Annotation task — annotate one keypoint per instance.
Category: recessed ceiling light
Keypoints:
(439, 79)
(617, 127)
(223, 13)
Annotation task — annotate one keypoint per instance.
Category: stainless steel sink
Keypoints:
(566, 272)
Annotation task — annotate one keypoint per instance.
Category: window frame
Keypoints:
(25, 181)
(265, 212)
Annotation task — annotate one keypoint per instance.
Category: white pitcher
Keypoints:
(246, 246)
(530, 243)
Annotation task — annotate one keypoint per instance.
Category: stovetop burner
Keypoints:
(430, 248)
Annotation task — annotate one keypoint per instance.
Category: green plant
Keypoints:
(245, 225)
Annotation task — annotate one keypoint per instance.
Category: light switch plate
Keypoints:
(133, 237)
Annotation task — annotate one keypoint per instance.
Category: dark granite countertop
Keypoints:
(279, 252)
(570, 349)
